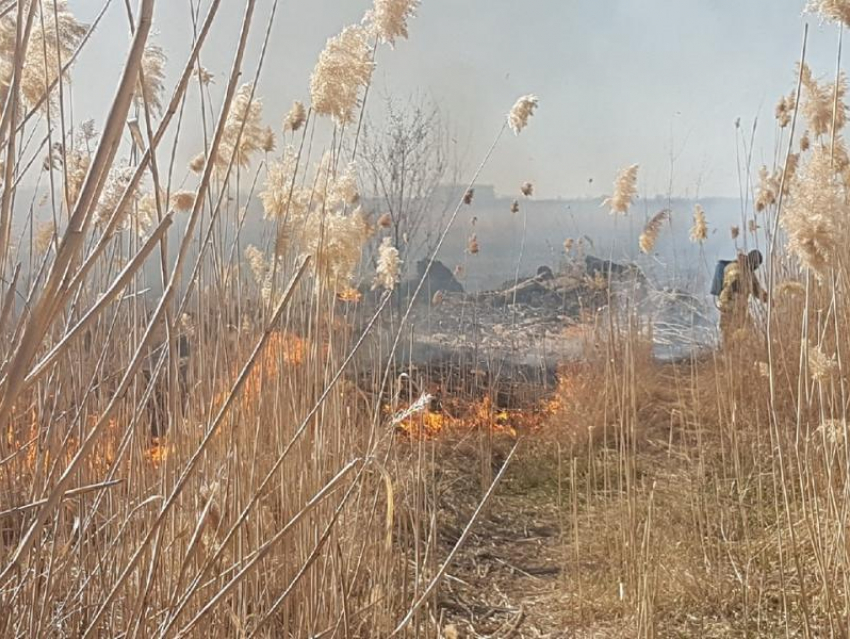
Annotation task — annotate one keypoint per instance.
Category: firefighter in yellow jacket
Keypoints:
(739, 283)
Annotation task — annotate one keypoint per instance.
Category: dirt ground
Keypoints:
(512, 576)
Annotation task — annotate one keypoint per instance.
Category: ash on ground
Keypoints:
(542, 320)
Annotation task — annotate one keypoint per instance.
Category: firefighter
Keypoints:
(739, 283)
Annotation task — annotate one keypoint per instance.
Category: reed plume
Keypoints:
(625, 190)
(145, 216)
(268, 143)
(388, 19)
(832, 10)
(652, 230)
(296, 117)
(280, 196)
(821, 100)
(183, 200)
(256, 262)
(205, 76)
(151, 82)
(116, 183)
(522, 110)
(784, 110)
(388, 272)
(343, 69)
(243, 129)
(768, 189)
(821, 366)
(335, 240)
(815, 214)
(699, 231)
(196, 164)
(78, 161)
(56, 41)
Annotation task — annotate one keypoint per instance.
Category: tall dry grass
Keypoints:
(708, 497)
(199, 461)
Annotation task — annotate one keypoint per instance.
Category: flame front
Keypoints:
(456, 416)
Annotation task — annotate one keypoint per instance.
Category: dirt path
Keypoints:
(508, 578)
(512, 578)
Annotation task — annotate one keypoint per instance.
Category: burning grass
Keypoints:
(455, 417)
(206, 460)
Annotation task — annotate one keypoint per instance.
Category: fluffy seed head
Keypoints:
(206, 77)
(116, 183)
(145, 218)
(472, 245)
(625, 190)
(521, 111)
(183, 200)
(816, 212)
(467, 197)
(388, 19)
(652, 229)
(527, 189)
(388, 272)
(280, 195)
(343, 188)
(821, 366)
(197, 163)
(768, 189)
(385, 221)
(151, 83)
(296, 117)
(243, 130)
(734, 231)
(568, 244)
(437, 299)
(699, 231)
(48, 50)
(832, 10)
(514, 207)
(336, 242)
(784, 110)
(78, 167)
(257, 262)
(268, 142)
(820, 102)
(344, 68)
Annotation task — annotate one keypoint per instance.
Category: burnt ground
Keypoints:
(525, 324)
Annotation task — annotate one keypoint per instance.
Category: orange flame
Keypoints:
(481, 414)
(349, 295)
(158, 451)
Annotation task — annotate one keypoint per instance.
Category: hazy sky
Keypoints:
(619, 81)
